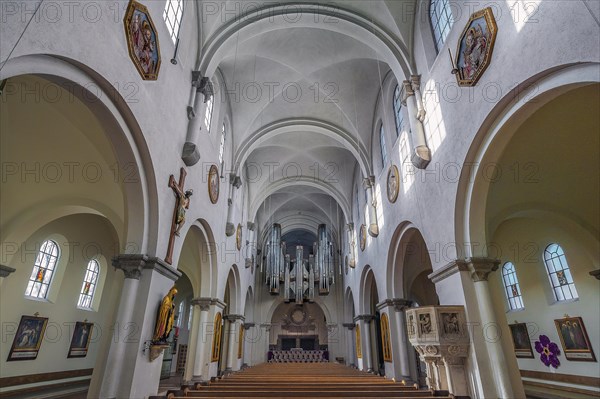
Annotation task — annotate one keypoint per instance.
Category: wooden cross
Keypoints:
(181, 205)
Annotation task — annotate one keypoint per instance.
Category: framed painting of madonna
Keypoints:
(142, 40)
(475, 47)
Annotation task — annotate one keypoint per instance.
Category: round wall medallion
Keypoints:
(238, 237)
(393, 184)
(213, 184)
(362, 237)
(298, 316)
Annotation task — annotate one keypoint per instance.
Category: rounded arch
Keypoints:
(391, 48)
(494, 136)
(235, 290)
(198, 258)
(122, 131)
(286, 126)
(350, 306)
(368, 283)
(278, 302)
(300, 181)
(249, 305)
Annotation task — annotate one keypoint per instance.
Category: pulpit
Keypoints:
(440, 336)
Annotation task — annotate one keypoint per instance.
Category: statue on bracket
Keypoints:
(165, 318)
(142, 40)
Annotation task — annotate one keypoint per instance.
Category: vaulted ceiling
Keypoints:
(303, 79)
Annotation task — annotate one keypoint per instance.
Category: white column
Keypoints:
(368, 184)
(350, 344)
(190, 363)
(203, 306)
(231, 347)
(480, 269)
(364, 322)
(422, 155)
(402, 339)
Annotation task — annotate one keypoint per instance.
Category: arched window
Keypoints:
(190, 316)
(88, 288)
(43, 270)
(398, 110)
(208, 113)
(222, 146)
(511, 286)
(559, 273)
(441, 20)
(172, 15)
(180, 313)
(382, 146)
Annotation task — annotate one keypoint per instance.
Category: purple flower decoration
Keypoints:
(548, 351)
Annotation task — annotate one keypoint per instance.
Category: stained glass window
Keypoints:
(43, 270)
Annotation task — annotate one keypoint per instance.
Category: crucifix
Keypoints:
(181, 205)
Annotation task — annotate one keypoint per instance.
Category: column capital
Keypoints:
(407, 91)
(207, 302)
(250, 225)
(366, 318)
(248, 325)
(349, 326)
(368, 182)
(133, 264)
(399, 304)
(595, 273)
(234, 317)
(481, 268)
(266, 326)
(6, 270)
(457, 265)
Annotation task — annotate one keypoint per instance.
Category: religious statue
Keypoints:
(165, 318)
(183, 203)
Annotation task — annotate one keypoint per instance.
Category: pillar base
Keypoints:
(421, 157)
(190, 154)
(373, 230)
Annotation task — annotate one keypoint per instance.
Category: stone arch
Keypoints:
(286, 126)
(394, 51)
(494, 136)
(122, 131)
(198, 258)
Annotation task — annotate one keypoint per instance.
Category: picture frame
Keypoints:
(393, 183)
(238, 237)
(80, 342)
(521, 341)
(142, 40)
(213, 184)
(28, 338)
(574, 339)
(475, 47)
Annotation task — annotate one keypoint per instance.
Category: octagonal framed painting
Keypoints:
(142, 40)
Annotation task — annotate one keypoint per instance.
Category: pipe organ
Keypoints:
(299, 275)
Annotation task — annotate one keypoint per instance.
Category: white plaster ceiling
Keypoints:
(330, 76)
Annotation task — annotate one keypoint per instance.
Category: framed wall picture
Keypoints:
(474, 52)
(142, 40)
(574, 339)
(213, 184)
(521, 341)
(238, 237)
(393, 183)
(80, 341)
(28, 338)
